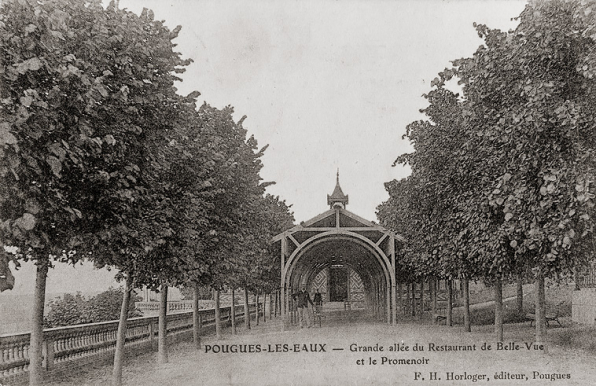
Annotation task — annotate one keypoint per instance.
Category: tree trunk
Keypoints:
(520, 294)
(196, 332)
(433, 295)
(121, 337)
(407, 300)
(412, 294)
(449, 320)
(256, 296)
(36, 342)
(575, 279)
(499, 310)
(217, 316)
(540, 311)
(421, 297)
(233, 311)
(435, 292)
(400, 302)
(265, 308)
(162, 340)
(467, 323)
(275, 308)
(246, 310)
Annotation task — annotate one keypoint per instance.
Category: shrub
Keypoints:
(75, 309)
(66, 311)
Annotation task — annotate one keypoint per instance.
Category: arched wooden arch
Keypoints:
(369, 250)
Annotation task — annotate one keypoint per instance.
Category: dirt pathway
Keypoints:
(353, 351)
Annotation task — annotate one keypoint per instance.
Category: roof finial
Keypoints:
(337, 198)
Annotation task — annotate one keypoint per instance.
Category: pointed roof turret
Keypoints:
(337, 198)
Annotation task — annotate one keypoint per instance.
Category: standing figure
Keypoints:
(318, 299)
(302, 300)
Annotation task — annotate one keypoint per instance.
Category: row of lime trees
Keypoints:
(102, 160)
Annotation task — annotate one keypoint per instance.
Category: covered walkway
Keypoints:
(346, 258)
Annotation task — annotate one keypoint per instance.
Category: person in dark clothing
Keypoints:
(318, 299)
(302, 300)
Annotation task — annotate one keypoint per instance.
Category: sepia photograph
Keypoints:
(297, 192)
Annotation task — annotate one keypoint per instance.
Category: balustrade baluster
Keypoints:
(73, 343)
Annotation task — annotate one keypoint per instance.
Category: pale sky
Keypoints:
(327, 84)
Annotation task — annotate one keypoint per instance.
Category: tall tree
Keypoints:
(514, 189)
(530, 98)
(87, 93)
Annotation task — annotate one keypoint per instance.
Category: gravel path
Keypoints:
(344, 350)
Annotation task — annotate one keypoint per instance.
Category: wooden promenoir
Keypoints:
(333, 243)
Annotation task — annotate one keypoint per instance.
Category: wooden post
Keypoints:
(394, 303)
(373, 301)
(499, 310)
(196, 332)
(388, 303)
(378, 302)
(282, 299)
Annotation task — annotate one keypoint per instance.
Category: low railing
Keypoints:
(63, 345)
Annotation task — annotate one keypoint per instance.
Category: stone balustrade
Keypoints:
(152, 308)
(72, 346)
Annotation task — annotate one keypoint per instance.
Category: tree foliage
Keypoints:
(503, 175)
(100, 157)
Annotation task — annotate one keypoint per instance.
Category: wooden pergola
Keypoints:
(338, 237)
